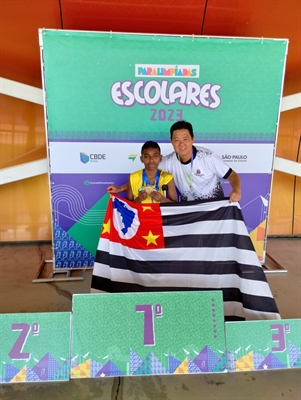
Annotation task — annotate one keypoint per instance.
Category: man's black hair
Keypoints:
(181, 125)
(150, 145)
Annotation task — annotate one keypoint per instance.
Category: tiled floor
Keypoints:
(19, 264)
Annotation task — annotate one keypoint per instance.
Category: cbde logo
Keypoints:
(93, 157)
(84, 158)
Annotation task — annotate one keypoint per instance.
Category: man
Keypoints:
(197, 171)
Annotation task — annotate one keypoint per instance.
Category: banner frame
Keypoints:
(192, 37)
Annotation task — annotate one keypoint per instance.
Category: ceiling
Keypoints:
(21, 19)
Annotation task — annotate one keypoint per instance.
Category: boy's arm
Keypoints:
(117, 189)
(129, 192)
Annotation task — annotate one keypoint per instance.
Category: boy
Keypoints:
(146, 185)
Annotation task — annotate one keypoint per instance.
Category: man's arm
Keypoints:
(234, 181)
(117, 189)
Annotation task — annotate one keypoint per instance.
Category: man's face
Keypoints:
(182, 143)
(151, 158)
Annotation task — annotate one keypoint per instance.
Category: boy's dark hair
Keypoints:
(150, 145)
(181, 125)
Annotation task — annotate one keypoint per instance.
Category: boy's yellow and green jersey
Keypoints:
(136, 181)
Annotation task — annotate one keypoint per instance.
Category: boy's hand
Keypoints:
(112, 189)
(142, 195)
(157, 196)
(117, 189)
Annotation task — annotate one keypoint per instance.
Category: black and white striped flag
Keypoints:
(182, 247)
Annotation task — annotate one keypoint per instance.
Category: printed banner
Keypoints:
(120, 90)
(29, 350)
(147, 334)
(263, 345)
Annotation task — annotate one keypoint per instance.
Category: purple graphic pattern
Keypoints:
(271, 362)
(31, 376)
(294, 352)
(135, 362)
(173, 364)
(68, 253)
(206, 359)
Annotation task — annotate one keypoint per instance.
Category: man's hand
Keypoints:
(234, 196)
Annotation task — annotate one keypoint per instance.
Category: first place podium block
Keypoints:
(132, 334)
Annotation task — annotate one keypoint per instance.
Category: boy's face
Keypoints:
(151, 158)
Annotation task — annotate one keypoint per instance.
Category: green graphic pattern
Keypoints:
(256, 345)
(88, 235)
(45, 345)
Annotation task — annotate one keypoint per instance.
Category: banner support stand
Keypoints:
(271, 266)
(68, 277)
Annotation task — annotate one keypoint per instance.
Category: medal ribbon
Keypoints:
(188, 178)
(145, 180)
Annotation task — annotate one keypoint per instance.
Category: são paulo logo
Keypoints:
(235, 157)
(168, 84)
(93, 157)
